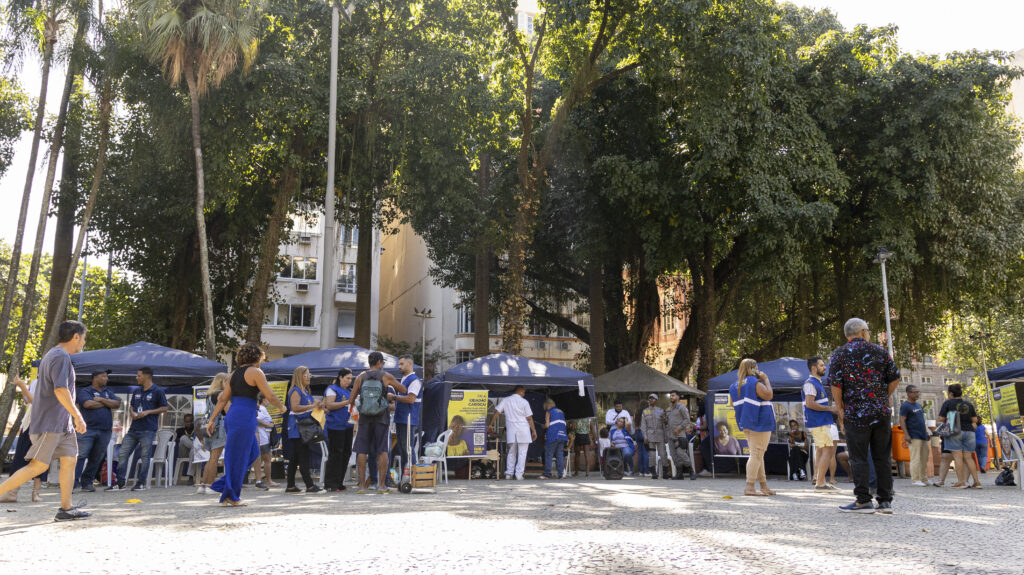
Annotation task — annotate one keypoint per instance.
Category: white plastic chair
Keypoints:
(442, 460)
(161, 456)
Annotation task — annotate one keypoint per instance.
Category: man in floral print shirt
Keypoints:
(863, 377)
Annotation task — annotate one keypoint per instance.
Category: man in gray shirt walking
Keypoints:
(55, 419)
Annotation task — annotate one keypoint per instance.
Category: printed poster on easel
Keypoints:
(467, 418)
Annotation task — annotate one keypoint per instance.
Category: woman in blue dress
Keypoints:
(241, 448)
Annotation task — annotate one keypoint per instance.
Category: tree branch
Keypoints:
(561, 321)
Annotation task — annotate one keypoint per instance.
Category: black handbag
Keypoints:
(310, 431)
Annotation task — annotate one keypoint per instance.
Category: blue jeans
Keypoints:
(982, 450)
(556, 450)
(92, 446)
(627, 458)
(141, 440)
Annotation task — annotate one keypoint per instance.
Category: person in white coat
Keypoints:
(519, 430)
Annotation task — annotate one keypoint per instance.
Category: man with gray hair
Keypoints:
(863, 376)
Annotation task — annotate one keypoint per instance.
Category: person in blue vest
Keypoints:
(407, 410)
(556, 436)
(148, 403)
(751, 397)
(95, 403)
(339, 431)
(819, 418)
(301, 404)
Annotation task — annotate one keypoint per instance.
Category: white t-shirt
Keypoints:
(612, 416)
(33, 387)
(263, 432)
(516, 410)
(602, 444)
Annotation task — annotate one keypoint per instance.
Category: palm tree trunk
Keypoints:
(37, 130)
(50, 334)
(7, 398)
(204, 253)
(286, 190)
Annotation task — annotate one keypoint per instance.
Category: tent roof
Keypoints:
(784, 373)
(638, 377)
(327, 362)
(169, 365)
(1013, 371)
(505, 369)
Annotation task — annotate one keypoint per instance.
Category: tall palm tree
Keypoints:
(200, 41)
(23, 20)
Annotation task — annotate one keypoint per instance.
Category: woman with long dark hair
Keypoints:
(241, 448)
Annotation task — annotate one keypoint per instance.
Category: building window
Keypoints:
(493, 326)
(926, 380)
(347, 278)
(526, 24)
(346, 324)
(463, 356)
(349, 236)
(562, 332)
(297, 267)
(539, 327)
(288, 315)
(668, 312)
(464, 320)
(950, 381)
(907, 379)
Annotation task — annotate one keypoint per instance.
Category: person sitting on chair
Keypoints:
(620, 438)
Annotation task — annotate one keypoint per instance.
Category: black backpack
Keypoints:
(1005, 478)
(613, 465)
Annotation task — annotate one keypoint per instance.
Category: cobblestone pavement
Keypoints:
(579, 526)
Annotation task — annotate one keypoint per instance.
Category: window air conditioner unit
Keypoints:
(542, 345)
(305, 239)
(302, 288)
(564, 346)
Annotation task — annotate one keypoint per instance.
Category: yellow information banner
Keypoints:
(280, 388)
(467, 418)
(724, 412)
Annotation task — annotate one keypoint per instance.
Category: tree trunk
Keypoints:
(7, 398)
(50, 335)
(204, 249)
(482, 272)
(37, 130)
(706, 337)
(595, 293)
(269, 249)
(15, 431)
(364, 272)
(62, 264)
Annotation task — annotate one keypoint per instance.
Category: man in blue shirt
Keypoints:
(95, 403)
(407, 409)
(915, 436)
(148, 402)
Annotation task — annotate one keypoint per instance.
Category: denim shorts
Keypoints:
(963, 442)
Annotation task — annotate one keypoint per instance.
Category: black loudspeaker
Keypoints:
(612, 465)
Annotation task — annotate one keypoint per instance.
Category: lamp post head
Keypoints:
(883, 255)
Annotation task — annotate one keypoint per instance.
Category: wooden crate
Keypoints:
(424, 476)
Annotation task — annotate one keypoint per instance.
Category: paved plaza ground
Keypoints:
(578, 526)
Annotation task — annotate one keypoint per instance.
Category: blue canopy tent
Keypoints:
(787, 375)
(324, 364)
(173, 369)
(499, 373)
(1013, 371)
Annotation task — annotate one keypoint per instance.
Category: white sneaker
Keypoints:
(920, 484)
(201, 490)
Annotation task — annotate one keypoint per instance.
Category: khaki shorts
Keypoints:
(50, 445)
(822, 436)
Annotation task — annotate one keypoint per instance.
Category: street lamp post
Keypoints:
(85, 271)
(424, 314)
(883, 255)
